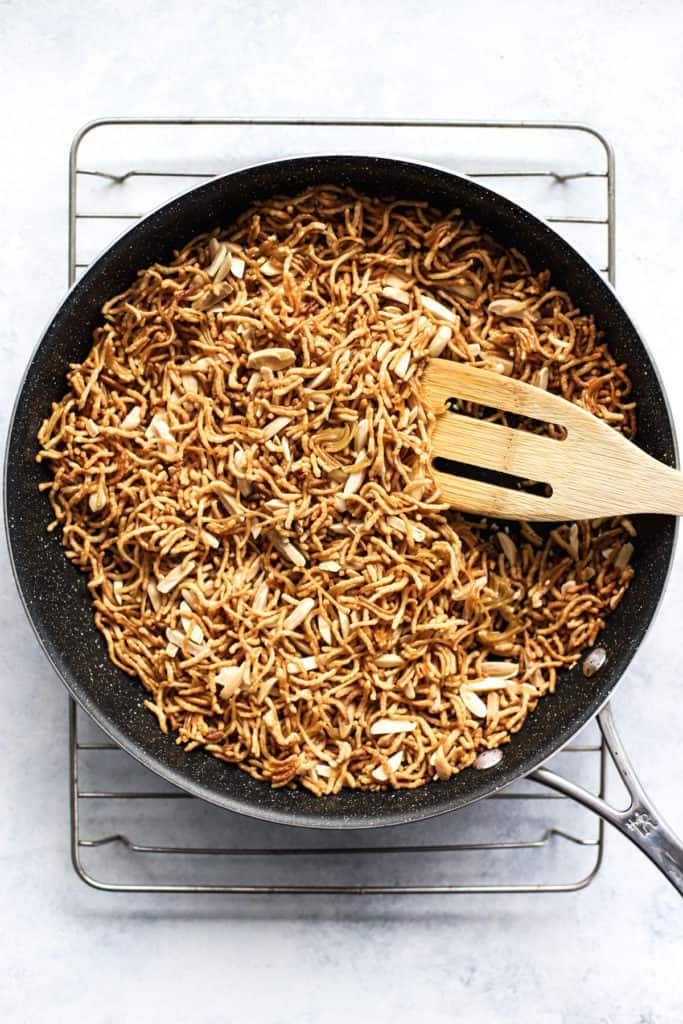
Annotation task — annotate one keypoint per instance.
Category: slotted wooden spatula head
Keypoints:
(592, 472)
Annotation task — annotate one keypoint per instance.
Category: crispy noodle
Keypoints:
(241, 465)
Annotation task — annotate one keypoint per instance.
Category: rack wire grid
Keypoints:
(131, 832)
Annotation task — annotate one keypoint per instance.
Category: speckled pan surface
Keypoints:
(55, 594)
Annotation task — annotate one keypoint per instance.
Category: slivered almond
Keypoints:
(293, 554)
(227, 500)
(217, 260)
(402, 365)
(344, 622)
(441, 765)
(260, 597)
(396, 523)
(194, 649)
(269, 269)
(185, 610)
(330, 566)
(117, 588)
(629, 527)
(540, 378)
(391, 726)
(323, 771)
(92, 428)
(509, 547)
(288, 550)
(507, 307)
(500, 668)
(211, 297)
(383, 350)
(171, 650)
(159, 430)
(307, 664)
(413, 532)
(397, 295)
(174, 636)
(394, 763)
(196, 635)
(98, 498)
(223, 269)
(133, 418)
(438, 309)
(154, 595)
(209, 539)
(440, 340)
(464, 290)
(355, 480)
(389, 661)
(474, 704)
(623, 555)
(252, 570)
(361, 437)
(324, 630)
(230, 680)
(488, 684)
(394, 280)
(237, 267)
(190, 383)
(299, 614)
(174, 577)
(488, 759)
(275, 426)
(320, 378)
(500, 364)
(264, 689)
(240, 462)
(271, 358)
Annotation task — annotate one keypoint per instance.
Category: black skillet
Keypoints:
(57, 601)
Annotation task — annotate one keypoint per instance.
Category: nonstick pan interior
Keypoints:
(55, 594)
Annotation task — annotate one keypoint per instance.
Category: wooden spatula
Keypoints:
(593, 471)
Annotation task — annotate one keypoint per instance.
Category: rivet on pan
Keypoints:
(488, 759)
(594, 661)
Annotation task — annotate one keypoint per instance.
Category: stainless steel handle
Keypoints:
(640, 821)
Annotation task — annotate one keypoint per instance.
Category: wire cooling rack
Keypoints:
(132, 832)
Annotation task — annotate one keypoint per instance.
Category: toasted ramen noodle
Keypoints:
(241, 466)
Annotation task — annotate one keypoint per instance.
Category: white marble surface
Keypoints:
(611, 953)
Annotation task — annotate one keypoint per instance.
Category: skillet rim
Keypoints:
(290, 815)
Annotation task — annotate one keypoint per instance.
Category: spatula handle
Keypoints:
(660, 489)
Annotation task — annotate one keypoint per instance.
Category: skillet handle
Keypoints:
(640, 822)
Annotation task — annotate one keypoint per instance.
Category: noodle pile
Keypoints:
(242, 467)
